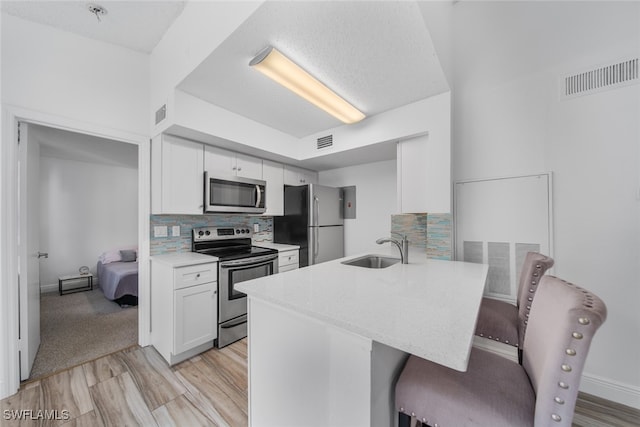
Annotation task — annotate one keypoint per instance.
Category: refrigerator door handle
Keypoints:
(316, 211)
(316, 243)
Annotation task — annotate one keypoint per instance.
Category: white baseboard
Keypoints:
(624, 394)
(53, 287)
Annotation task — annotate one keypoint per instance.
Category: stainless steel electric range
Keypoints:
(238, 261)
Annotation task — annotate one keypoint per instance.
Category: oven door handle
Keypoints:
(245, 263)
(238, 322)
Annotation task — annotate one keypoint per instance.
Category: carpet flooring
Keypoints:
(76, 328)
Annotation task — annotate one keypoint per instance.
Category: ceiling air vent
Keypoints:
(325, 141)
(161, 114)
(600, 79)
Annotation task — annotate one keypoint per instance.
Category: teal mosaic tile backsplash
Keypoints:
(414, 226)
(182, 243)
(440, 236)
(429, 233)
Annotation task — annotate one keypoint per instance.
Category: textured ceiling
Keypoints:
(137, 25)
(377, 55)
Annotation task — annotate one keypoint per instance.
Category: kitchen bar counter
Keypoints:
(327, 342)
(427, 307)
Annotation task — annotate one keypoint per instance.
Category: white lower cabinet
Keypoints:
(195, 316)
(184, 306)
(288, 260)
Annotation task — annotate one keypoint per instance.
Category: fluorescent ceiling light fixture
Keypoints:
(284, 71)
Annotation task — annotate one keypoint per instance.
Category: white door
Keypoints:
(29, 252)
(196, 321)
(497, 221)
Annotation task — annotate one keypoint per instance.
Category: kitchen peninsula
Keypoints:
(327, 342)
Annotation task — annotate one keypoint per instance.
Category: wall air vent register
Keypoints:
(596, 80)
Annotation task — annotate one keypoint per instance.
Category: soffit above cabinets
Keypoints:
(376, 55)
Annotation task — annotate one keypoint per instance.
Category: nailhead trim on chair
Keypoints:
(567, 375)
(532, 289)
(571, 352)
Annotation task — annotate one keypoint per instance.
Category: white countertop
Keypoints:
(427, 307)
(280, 247)
(181, 259)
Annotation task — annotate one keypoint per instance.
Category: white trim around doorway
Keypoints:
(9, 304)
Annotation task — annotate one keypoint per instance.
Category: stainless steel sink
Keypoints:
(372, 261)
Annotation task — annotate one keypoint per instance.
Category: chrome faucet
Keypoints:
(403, 245)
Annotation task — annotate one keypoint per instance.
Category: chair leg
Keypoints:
(404, 420)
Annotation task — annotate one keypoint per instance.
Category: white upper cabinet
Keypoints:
(424, 176)
(177, 176)
(273, 174)
(227, 163)
(299, 176)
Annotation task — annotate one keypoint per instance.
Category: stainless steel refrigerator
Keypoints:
(313, 220)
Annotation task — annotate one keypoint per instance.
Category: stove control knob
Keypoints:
(247, 230)
(200, 233)
(237, 231)
(242, 230)
(207, 232)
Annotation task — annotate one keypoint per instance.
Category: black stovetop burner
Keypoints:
(226, 243)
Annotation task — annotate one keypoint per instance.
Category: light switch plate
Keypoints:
(160, 231)
(175, 230)
(256, 228)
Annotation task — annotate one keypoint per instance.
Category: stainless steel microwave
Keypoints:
(232, 194)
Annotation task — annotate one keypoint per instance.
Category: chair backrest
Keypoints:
(533, 268)
(562, 323)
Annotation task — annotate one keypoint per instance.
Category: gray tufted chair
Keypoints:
(505, 322)
(496, 391)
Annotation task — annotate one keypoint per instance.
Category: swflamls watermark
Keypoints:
(39, 414)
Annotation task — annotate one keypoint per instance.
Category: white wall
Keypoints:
(85, 209)
(199, 29)
(55, 77)
(508, 120)
(62, 74)
(375, 202)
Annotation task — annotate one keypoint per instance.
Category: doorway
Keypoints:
(11, 305)
(85, 204)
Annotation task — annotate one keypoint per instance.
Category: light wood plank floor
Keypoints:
(135, 386)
